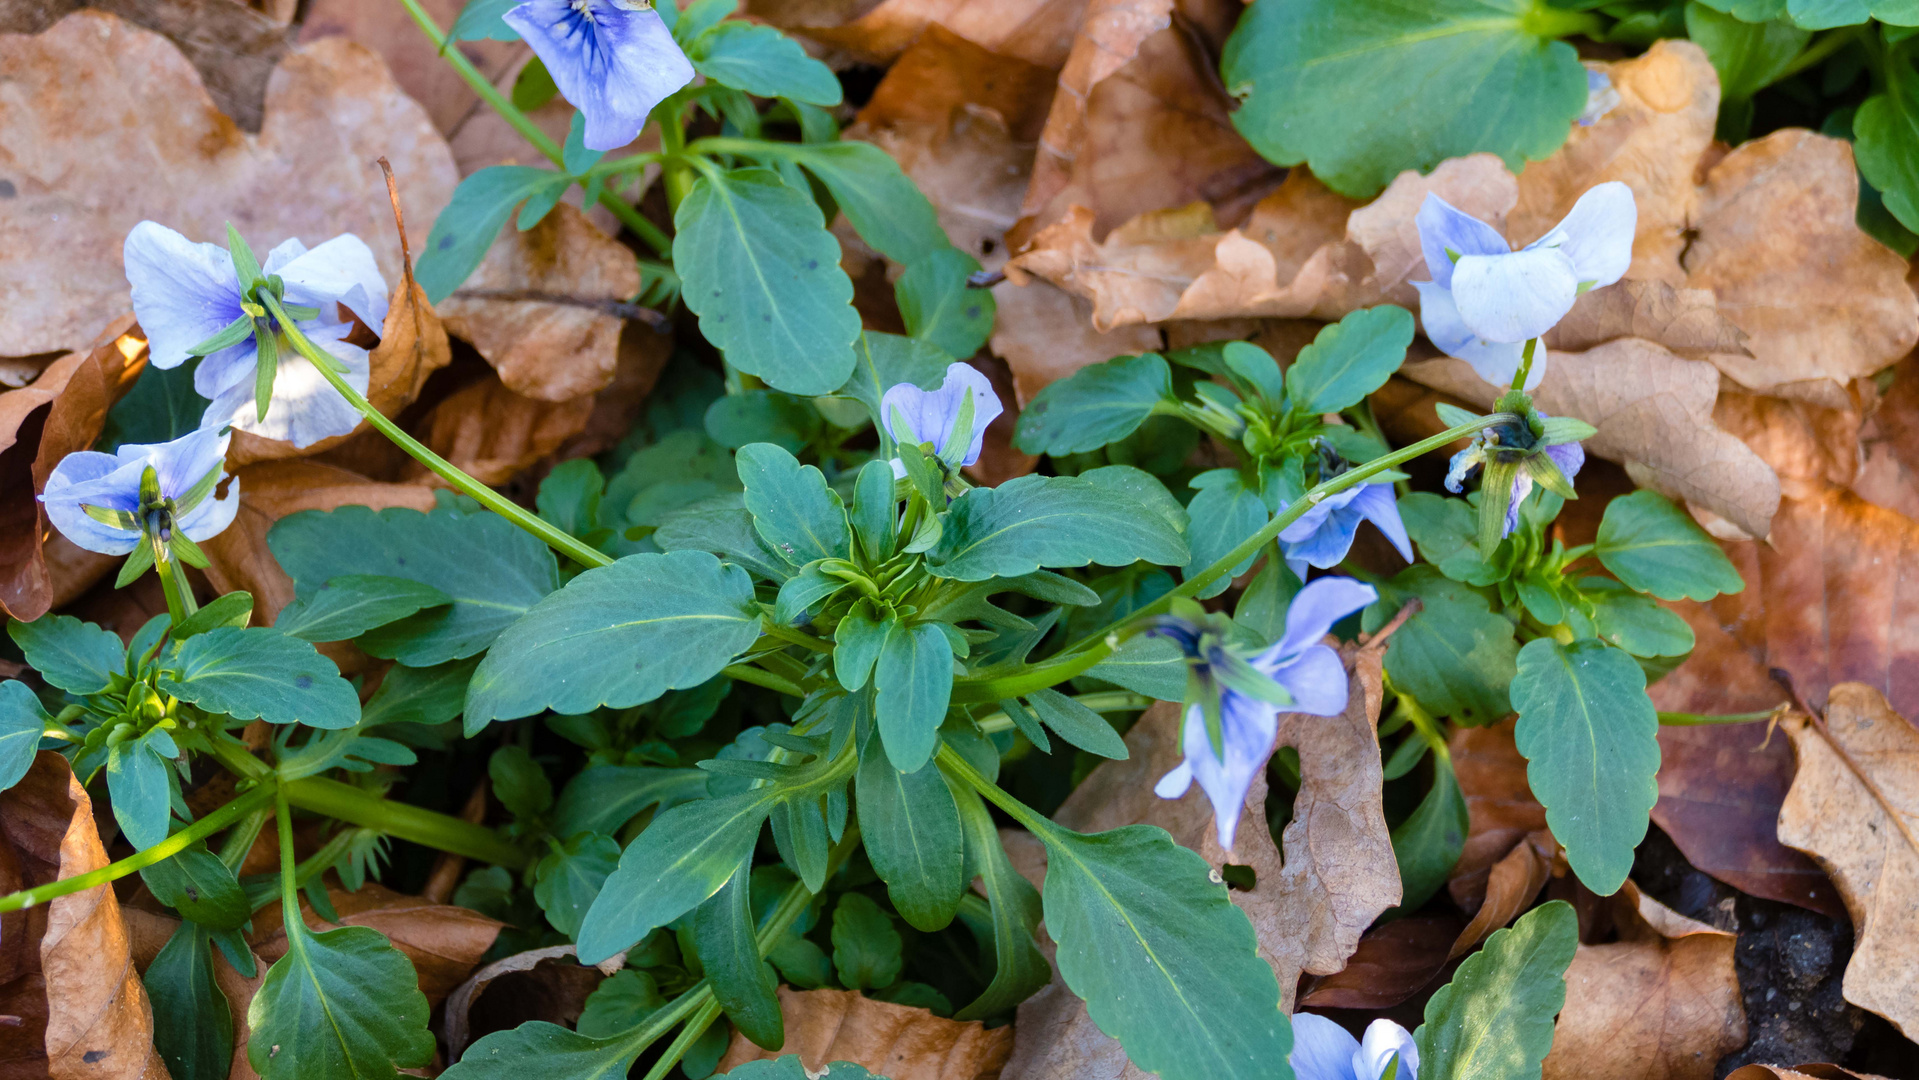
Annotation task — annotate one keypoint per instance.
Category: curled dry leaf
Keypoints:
(1854, 806)
(543, 306)
(1308, 910)
(1037, 31)
(1803, 1072)
(1661, 1003)
(895, 1041)
(1394, 961)
(66, 969)
(113, 101)
(60, 412)
(444, 942)
(1509, 851)
(1654, 412)
(539, 984)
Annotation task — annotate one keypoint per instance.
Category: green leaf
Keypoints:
(1364, 89)
(570, 876)
(137, 778)
(604, 798)
(883, 361)
(618, 636)
(1591, 741)
(468, 226)
(763, 275)
(763, 416)
(75, 656)
(873, 512)
(480, 21)
(793, 509)
(1165, 962)
(1096, 405)
(350, 605)
(493, 571)
(791, 1068)
(1826, 14)
(1494, 1021)
(570, 495)
(1428, 843)
(1656, 547)
(1886, 132)
(620, 1003)
(196, 1037)
(912, 684)
(1019, 969)
(232, 609)
(743, 984)
(1447, 532)
(22, 720)
(161, 407)
(259, 673)
(342, 1003)
(425, 696)
(1077, 724)
(911, 829)
(519, 782)
(762, 61)
(804, 591)
(857, 643)
(199, 886)
(1349, 359)
(1146, 665)
(1747, 56)
(1456, 655)
(722, 526)
(866, 948)
(1225, 513)
(1634, 622)
(941, 307)
(884, 206)
(1034, 521)
(548, 1051)
(682, 858)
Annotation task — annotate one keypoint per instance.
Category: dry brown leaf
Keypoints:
(1305, 251)
(444, 942)
(1822, 303)
(643, 354)
(1654, 412)
(1661, 1003)
(1044, 334)
(112, 101)
(149, 931)
(1686, 321)
(1854, 806)
(1394, 962)
(895, 1041)
(492, 433)
(536, 307)
(416, 65)
(62, 411)
(1038, 31)
(272, 490)
(66, 969)
(1500, 809)
(1809, 446)
(539, 984)
(1803, 1072)
(1888, 473)
(1512, 884)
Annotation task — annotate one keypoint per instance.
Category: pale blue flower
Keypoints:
(1322, 1050)
(188, 470)
(1601, 98)
(1569, 457)
(613, 59)
(1486, 301)
(932, 417)
(1324, 534)
(186, 293)
(1308, 672)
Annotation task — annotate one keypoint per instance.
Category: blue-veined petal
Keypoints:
(183, 292)
(1247, 727)
(1377, 505)
(1517, 296)
(613, 60)
(930, 414)
(1316, 679)
(1443, 227)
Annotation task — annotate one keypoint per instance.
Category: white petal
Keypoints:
(1322, 1050)
(1597, 235)
(305, 407)
(340, 271)
(1496, 363)
(1385, 1039)
(1445, 228)
(213, 515)
(183, 292)
(1514, 297)
(1175, 783)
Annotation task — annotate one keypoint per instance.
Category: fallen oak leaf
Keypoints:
(1661, 1003)
(898, 1042)
(1854, 807)
(66, 969)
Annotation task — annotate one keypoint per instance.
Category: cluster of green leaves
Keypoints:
(1362, 90)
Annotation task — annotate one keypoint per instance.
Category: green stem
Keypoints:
(233, 852)
(677, 172)
(630, 217)
(747, 673)
(773, 628)
(179, 594)
(1080, 656)
(957, 767)
(1105, 701)
(1680, 719)
(289, 874)
(554, 537)
(417, 824)
(165, 849)
(677, 1049)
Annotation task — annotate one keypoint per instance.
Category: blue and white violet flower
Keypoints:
(1296, 673)
(188, 298)
(613, 59)
(952, 419)
(1487, 301)
(1324, 534)
(1322, 1050)
(109, 503)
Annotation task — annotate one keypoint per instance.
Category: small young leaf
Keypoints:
(1885, 128)
(911, 829)
(912, 684)
(259, 673)
(874, 510)
(1635, 622)
(569, 878)
(196, 1037)
(1456, 655)
(138, 778)
(762, 61)
(1224, 514)
(793, 509)
(743, 984)
(941, 306)
(1096, 405)
(857, 643)
(570, 496)
(1447, 533)
(342, 1003)
(1349, 359)
(620, 1003)
(350, 605)
(427, 696)
(866, 948)
(1494, 1021)
(519, 782)
(75, 656)
(1656, 547)
(199, 886)
(1428, 843)
(1078, 724)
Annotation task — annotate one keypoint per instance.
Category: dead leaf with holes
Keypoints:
(1660, 1003)
(1854, 806)
(1654, 412)
(1307, 909)
(66, 968)
(895, 1041)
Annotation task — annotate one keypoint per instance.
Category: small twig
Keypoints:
(406, 261)
(616, 308)
(1412, 608)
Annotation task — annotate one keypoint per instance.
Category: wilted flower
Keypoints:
(1552, 463)
(1324, 534)
(1322, 1050)
(613, 59)
(1486, 301)
(1296, 672)
(107, 502)
(934, 417)
(188, 298)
